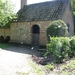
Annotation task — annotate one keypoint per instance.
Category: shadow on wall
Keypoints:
(6, 40)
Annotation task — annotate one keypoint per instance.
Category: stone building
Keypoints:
(33, 20)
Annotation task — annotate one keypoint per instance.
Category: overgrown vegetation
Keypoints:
(61, 48)
(50, 66)
(6, 13)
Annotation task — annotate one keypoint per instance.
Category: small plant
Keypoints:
(66, 73)
(22, 73)
(65, 67)
(50, 66)
(69, 66)
(37, 70)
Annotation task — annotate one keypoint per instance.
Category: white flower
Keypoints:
(59, 26)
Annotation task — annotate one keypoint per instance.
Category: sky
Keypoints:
(17, 3)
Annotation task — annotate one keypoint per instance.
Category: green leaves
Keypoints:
(6, 12)
(57, 28)
(59, 48)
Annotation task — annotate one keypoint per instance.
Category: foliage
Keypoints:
(37, 70)
(70, 65)
(57, 28)
(59, 48)
(50, 66)
(66, 50)
(22, 73)
(74, 13)
(72, 43)
(6, 12)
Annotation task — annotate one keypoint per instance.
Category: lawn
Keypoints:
(2, 45)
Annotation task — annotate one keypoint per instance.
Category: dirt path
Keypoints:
(15, 61)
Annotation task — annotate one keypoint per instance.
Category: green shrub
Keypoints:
(66, 50)
(59, 48)
(72, 43)
(50, 66)
(57, 28)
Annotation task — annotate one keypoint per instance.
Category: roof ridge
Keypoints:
(45, 2)
(41, 11)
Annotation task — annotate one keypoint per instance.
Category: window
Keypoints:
(68, 25)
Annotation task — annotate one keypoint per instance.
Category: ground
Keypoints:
(16, 60)
(22, 60)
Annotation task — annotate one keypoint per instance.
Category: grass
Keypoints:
(50, 66)
(22, 73)
(3, 45)
(36, 69)
(67, 68)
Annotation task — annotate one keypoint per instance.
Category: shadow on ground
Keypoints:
(34, 52)
(24, 49)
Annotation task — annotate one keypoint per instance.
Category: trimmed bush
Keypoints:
(57, 28)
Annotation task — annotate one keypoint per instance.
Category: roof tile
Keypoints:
(41, 11)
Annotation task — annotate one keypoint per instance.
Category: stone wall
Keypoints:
(4, 32)
(22, 32)
(43, 26)
(68, 19)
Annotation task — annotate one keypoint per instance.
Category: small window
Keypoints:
(68, 25)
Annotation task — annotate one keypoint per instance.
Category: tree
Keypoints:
(6, 12)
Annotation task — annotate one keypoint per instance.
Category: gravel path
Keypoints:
(15, 61)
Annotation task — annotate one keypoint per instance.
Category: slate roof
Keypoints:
(50, 10)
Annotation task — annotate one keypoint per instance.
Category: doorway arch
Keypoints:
(35, 35)
(35, 29)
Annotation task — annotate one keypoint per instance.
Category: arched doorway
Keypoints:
(35, 35)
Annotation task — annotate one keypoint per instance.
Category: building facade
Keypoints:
(33, 20)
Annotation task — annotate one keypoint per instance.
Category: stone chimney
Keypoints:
(23, 2)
